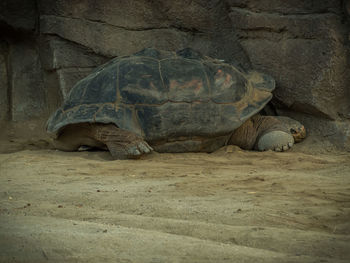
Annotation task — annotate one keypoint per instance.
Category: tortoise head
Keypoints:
(297, 130)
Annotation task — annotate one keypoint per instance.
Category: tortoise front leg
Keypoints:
(263, 133)
(279, 133)
(272, 135)
(122, 144)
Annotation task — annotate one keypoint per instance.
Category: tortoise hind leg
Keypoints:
(64, 145)
(122, 144)
(75, 135)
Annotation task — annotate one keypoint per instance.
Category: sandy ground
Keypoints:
(228, 206)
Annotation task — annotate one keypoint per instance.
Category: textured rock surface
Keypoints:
(304, 45)
(18, 14)
(116, 28)
(28, 96)
(4, 109)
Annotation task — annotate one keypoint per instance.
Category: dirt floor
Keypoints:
(228, 206)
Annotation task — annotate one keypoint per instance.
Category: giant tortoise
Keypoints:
(170, 102)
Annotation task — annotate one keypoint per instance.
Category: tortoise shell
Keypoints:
(161, 94)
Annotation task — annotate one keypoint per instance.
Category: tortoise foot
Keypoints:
(278, 141)
(137, 150)
(123, 151)
(127, 150)
(122, 144)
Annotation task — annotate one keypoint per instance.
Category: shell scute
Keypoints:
(99, 87)
(167, 120)
(140, 81)
(185, 80)
(120, 114)
(228, 85)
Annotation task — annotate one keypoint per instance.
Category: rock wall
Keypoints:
(48, 45)
(300, 43)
